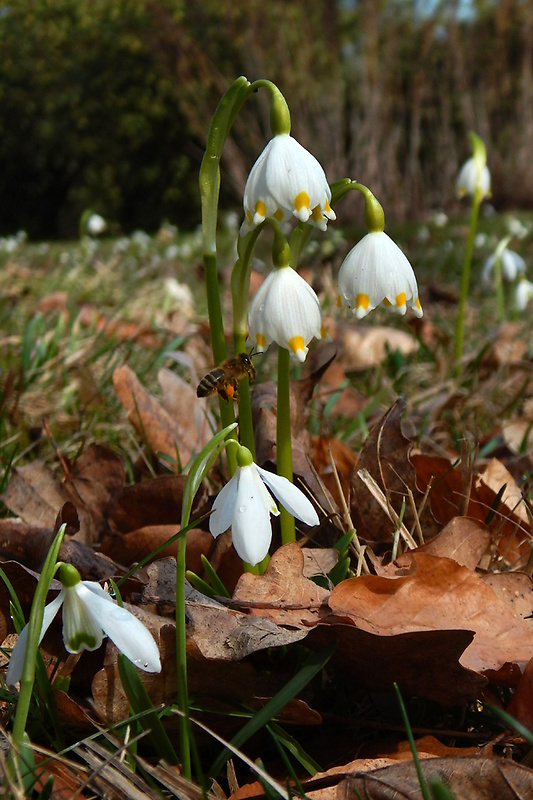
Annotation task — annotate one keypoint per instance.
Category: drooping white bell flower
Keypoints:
(286, 180)
(377, 273)
(89, 614)
(287, 311)
(473, 178)
(245, 506)
(96, 225)
(513, 265)
(523, 294)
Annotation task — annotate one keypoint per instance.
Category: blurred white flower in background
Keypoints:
(473, 177)
(513, 265)
(96, 225)
(523, 294)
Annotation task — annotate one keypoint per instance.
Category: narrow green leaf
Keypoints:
(140, 702)
(512, 722)
(199, 467)
(315, 663)
(214, 580)
(294, 747)
(422, 781)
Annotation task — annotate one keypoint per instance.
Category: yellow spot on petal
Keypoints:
(301, 201)
(316, 214)
(339, 301)
(297, 343)
(260, 208)
(362, 301)
(323, 332)
(260, 339)
(248, 216)
(417, 303)
(278, 215)
(386, 301)
(401, 299)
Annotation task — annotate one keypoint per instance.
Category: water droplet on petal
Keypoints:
(242, 509)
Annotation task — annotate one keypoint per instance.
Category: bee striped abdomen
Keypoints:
(211, 382)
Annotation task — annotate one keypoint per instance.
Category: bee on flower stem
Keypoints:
(224, 379)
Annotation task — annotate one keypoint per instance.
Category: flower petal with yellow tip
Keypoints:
(376, 273)
(285, 310)
(286, 180)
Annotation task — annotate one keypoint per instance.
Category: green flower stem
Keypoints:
(181, 660)
(498, 283)
(374, 214)
(284, 444)
(209, 180)
(465, 278)
(240, 289)
(34, 632)
(298, 239)
(280, 118)
(195, 476)
(246, 425)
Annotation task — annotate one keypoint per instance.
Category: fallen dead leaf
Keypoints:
(35, 494)
(466, 779)
(162, 432)
(283, 594)
(422, 663)
(439, 595)
(449, 495)
(496, 477)
(462, 539)
(365, 346)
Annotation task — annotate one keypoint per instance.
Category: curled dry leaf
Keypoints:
(464, 540)
(283, 593)
(37, 495)
(466, 778)
(423, 663)
(497, 477)
(173, 435)
(450, 494)
(224, 634)
(440, 595)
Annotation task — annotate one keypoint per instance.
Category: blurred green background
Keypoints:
(105, 104)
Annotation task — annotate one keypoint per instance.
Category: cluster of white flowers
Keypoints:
(474, 180)
(286, 181)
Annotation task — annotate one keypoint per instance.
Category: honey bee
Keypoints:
(225, 378)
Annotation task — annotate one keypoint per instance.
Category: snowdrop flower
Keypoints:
(523, 294)
(376, 272)
(245, 506)
(286, 180)
(89, 614)
(513, 265)
(472, 178)
(285, 310)
(96, 225)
